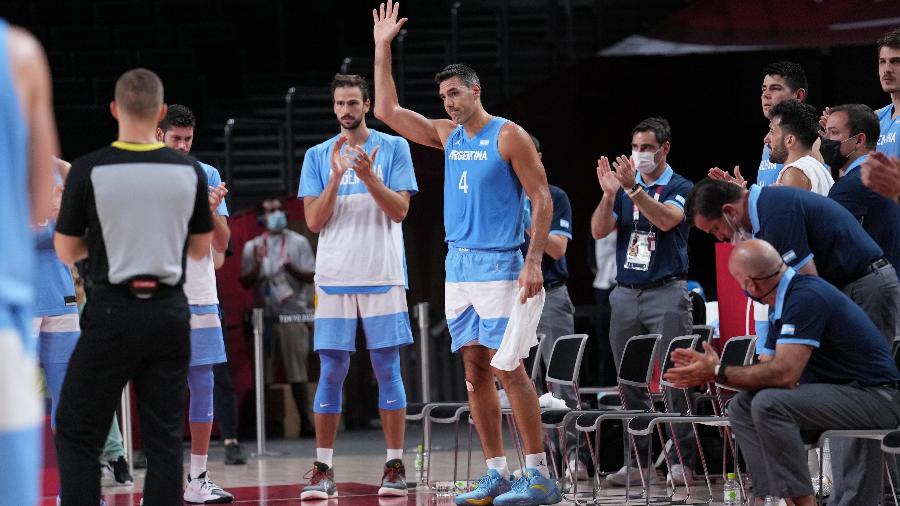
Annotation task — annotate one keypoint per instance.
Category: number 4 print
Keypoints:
(463, 183)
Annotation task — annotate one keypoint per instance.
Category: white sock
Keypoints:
(198, 465)
(538, 461)
(324, 455)
(394, 453)
(498, 464)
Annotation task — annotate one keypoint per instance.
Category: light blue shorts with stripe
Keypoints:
(57, 336)
(21, 408)
(479, 292)
(207, 341)
(384, 316)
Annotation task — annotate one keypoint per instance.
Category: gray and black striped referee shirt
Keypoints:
(135, 204)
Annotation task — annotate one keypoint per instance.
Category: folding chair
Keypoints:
(681, 342)
(454, 412)
(563, 369)
(738, 351)
(635, 369)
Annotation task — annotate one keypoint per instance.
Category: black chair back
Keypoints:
(680, 342)
(565, 359)
(636, 366)
(706, 334)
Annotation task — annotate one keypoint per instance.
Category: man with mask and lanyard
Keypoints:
(647, 207)
(280, 264)
(854, 128)
(813, 234)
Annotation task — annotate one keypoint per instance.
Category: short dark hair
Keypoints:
(708, 197)
(139, 92)
(350, 81)
(537, 143)
(799, 119)
(890, 39)
(178, 116)
(465, 73)
(659, 126)
(791, 72)
(861, 120)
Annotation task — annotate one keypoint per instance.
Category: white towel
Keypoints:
(521, 332)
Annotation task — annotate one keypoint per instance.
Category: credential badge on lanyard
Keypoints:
(641, 244)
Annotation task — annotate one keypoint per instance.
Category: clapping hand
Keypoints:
(607, 178)
(721, 175)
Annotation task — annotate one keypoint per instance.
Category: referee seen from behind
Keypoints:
(134, 209)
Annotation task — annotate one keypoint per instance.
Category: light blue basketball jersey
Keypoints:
(16, 239)
(483, 198)
(768, 171)
(890, 128)
(55, 287)
(360, 249)
(214, 179)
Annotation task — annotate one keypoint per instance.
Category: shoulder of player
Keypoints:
(24, 49)
(881, 112)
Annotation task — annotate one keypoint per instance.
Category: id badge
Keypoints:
(638, 255)
(281, 290)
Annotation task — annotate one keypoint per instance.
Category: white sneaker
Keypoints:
(201, 490)
(582, 474)
(633, 474)
(679, 474)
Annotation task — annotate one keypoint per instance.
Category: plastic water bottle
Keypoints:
(421, 465)
(732, 491)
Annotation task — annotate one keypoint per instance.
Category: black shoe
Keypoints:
(140, 460)
(120, 471)
(234, 455)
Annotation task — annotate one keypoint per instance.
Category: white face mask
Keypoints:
(644, 162)
(739, 234)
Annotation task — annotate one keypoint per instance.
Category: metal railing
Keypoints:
(284, 144)
(289, 127)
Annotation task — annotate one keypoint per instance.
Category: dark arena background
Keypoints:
(578, 74)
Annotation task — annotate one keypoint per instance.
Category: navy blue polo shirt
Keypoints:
(802, 225)
(670, 257)
(552, 269)
(847, 346)
(878, 215)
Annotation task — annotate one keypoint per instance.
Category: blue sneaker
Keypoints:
(489, 486)
(532, 489)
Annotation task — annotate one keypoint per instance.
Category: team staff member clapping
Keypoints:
(134, 209)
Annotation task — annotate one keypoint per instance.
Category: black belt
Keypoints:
(655, 284)
(869, 269)
(549, 285)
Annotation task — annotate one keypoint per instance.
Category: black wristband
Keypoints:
(720, 376)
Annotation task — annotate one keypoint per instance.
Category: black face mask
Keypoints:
(759, 299)
(831, 153)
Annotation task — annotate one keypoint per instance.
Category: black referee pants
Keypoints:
(122, 339)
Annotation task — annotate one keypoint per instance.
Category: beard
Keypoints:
(778, 153)
(352, 126)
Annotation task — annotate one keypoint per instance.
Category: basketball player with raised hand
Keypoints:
(490, 164)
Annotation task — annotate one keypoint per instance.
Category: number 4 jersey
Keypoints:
(483, 198)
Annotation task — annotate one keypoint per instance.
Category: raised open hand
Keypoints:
(387, 26)
(608, 180)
